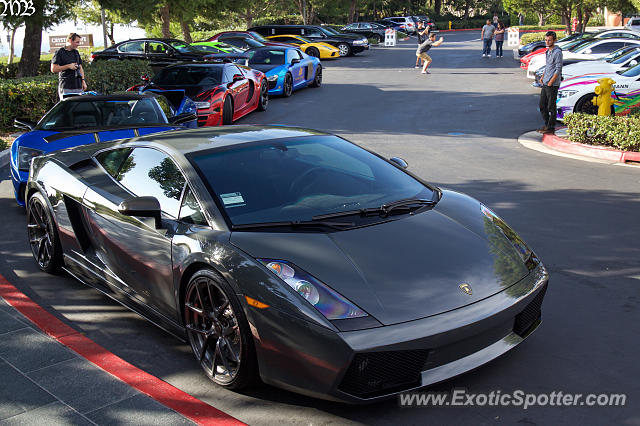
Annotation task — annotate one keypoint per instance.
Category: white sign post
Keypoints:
(513, 36)
(389, 37)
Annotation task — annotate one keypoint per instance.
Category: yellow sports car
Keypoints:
(318, 49)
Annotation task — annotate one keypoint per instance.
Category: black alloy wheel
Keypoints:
(43, 236)
(218, 331)
(287, 88)
(585, 105)
(227, 111)
(344, 48)
(263, 100)
(317, 80)
(312, 51)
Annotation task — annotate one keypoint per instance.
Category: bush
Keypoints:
(115, 76)
(531, 37)
(8, 71)
(620, 132)
(30, 98)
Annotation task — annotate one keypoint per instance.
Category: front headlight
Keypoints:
(203, 105)
(357, 42)
(24, 157)
(330, 303)
(566, 93)
(272, 78)
(521, 247)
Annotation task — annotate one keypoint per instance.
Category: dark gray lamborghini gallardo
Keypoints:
(289, 255)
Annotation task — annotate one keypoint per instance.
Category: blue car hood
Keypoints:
(401, 270)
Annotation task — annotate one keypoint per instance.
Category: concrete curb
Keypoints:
(4, 158)
(602, 152)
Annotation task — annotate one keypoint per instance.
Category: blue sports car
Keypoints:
(287, 68)
(86, 119)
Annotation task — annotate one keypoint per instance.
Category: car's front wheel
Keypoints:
(345, 49)
(287, 88)
(43, 236)
(227, 111)
(218, 331)
(585, 105)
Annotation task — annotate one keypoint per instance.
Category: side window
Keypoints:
(190, 211)
(149, 172)
(228, 73)
(113, 160)
(157, 47)
(312, 32)
(607, 47)
(291, 54)
(132, 47)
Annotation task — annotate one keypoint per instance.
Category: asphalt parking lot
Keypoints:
(457, 127)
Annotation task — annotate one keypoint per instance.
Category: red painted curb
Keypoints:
(594, 151)
(161, 391)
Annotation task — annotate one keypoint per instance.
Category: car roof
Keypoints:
(165, 40)
(206, 138)
(118, 96)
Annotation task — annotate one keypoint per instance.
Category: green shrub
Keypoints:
(8, 71)
(115, 76)
(614, 131)
(26, 97)
(531, 37)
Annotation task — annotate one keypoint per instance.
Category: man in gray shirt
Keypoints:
(550, 83)
(487, 37)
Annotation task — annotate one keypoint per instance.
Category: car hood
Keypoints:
(267, 69)
(405, 269)
(192, 91)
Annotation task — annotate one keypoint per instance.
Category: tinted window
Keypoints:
(148, 172)
(183, 47)
(157, 47)
(291, 55)
(257, 36)
(189, 75)
(266, 57)
(296, 179)
(190, 211)
(313, 32)
(134, 46)
(632, 72)
(113, 160)
(607, 47)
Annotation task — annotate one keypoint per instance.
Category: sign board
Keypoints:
(513, 36)
(58, 41)
(389, 37)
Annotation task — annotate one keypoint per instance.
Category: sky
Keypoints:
(121, 33)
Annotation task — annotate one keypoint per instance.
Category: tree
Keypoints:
(90, 11)
(540, 8)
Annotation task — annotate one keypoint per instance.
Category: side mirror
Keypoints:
(142, 207)
(399, 162)
(23, 123)
(588, 51)
(145, 78)
(633, 63)
(238, 77)
(295, 61)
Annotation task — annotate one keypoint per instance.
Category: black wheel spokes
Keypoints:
(39, 235)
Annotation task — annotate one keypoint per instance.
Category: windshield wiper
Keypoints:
(296, 224)
(419, 204)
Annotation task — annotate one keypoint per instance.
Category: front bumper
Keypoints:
(368, 365)
(19, 181)
(360, 48)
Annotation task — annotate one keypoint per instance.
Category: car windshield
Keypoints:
(617, 54)
(266, 57)
(626, 56)
(78, 115)
(577, 44)
(634, 71)
(216, 47)
(328, 31)
(295, 179)
(197, 75)
(258, 36)
(183, 47)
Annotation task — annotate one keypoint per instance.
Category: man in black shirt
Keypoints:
(68, 64)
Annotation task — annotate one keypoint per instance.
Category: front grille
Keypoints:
(272, 84)
(373, 374)
(526, 319)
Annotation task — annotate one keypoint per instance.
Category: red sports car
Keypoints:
(223, 92)
(246, 34)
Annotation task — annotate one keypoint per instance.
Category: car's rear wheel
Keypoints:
(377, 38)
(287, 88)
(317, 80)
(218, 331)
(227, 111)
(312, 51)
(263, 100)
(43, 236)
(344, 48)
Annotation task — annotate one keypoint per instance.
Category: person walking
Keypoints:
(551, 78)
(422, 34)
(499, 38)
(424, 48)
(495, 20)
(68, 64)
(487, 36)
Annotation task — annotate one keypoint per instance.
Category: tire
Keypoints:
(43, 235)
(263, 99)
(317, 79)
(287, 88)
(584, 105)
(227, 111)
(312, 51)
(218, 331)
(345, 49)
(377, 37)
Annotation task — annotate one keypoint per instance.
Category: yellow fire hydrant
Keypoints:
(603, 100)
(449, 24)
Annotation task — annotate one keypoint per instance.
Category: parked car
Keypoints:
(287, 68)
(540, 44)
(223, 92)
(244, 43)
(348, 44)
(406, 23)
(158, 51)
(226, 36)
(633, 23)
(594, 49)
(317, 49)
(260, 246)
(390, 24)
(575, 94)
(370, 30)
(216, 47)
(88, 119)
